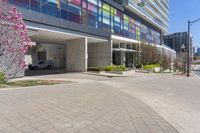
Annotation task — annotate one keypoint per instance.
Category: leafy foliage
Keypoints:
(114, 68)
(139, 66)
(2, 78)
(152, 66)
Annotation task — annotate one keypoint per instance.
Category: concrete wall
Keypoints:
(100, 54)
(55, 52)
(30, 55)
(76, 55)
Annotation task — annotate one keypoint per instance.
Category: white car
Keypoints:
(42, 64)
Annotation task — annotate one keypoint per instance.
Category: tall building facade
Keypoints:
(198, 52)
(177, 40)
(78, 34)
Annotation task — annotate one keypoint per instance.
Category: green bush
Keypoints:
(152, 66)
(2, 78)
(108, 68)
(121, 68)
(139, 66)
(114, 68)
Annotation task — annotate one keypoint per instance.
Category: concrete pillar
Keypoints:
(100, 54)
(123, 58)
(76, 55)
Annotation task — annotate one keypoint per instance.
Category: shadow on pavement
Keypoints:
(41, 72)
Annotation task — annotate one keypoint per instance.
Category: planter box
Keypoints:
(118, 73)
(157, 69)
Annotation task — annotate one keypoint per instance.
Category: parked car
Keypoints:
(42, 64)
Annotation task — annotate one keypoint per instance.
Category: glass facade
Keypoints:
(94, 13)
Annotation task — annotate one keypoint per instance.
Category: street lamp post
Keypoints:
(188, 59)
(183, 58)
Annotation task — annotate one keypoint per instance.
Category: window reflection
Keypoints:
(94, 13)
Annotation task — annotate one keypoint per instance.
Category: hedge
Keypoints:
(152, 66)
(114, 68)
(2, 78)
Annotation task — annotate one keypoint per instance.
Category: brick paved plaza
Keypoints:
(86, 107)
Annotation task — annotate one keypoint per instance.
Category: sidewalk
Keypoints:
(84, 107)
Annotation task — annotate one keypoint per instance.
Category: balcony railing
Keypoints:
(142, 11)
(165, 3)
(157, 14)
(158, 7)
(163, 7)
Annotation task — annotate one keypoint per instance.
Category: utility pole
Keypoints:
(188, 55)
(189, 45)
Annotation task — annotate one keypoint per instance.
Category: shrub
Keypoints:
(139, 66)
(108, 68)
(121, 68)
(152, 66)
(2, 78)
(114, 68)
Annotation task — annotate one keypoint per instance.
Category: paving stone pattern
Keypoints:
(77, 108)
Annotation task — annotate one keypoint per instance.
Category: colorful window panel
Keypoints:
(126, 26)
(50, 7)
(20, 3)
(143, 32)
(75, 2)
(35, 5)
(64, 9)
(137, 33)
(95, 2)
(116, 18)
(74, 9)
(84, 4)
(106, 16)
(132, 31)
(93, 13)
(51, 2)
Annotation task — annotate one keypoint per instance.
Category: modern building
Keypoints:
(177, 40)
(78, 34)
(198, 52)
(194, 51)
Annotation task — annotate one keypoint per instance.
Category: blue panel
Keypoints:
(20, 3)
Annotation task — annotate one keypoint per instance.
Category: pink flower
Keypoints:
(15, 40)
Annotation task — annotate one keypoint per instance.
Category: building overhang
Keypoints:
(120, 39)
(124, 50)
(41, 35)
(166, 48)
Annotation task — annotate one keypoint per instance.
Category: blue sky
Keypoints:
(180, 12)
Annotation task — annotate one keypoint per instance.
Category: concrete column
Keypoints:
(123, 58)
(100, 54)
(76, 55)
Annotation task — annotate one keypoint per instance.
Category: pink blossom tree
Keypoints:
(14, 41)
